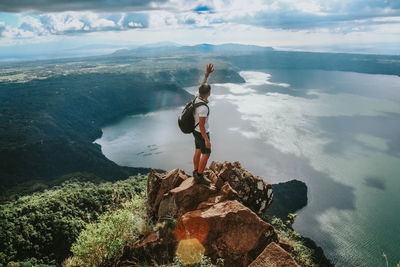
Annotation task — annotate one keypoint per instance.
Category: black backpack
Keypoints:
(186, 119)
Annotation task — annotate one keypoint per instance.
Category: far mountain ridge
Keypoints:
(172, 48)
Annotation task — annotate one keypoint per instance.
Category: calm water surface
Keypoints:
(339, 132)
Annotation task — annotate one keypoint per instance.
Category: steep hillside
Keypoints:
(48, 125)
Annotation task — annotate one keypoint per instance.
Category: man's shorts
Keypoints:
(201, 143)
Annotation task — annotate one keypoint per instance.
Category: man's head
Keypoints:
(204, 90)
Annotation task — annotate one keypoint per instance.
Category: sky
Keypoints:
(43, 26)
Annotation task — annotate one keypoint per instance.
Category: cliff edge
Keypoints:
(222, 221)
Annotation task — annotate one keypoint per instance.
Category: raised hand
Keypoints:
(209, 68)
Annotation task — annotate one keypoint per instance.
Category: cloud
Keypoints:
(2, 28)
(335, 15)
(289, 18)
(134, 20)
(311, 15)
(7, 32)
(82, 5)
(73, 23)
(31, 24)
(306, 14)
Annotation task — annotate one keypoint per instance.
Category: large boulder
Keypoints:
(274, 256)
(226, 192)
(252, 190)
(227, 230)
(159, 184)
(184, 198)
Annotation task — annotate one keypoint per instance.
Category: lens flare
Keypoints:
(192, 227)
(190, 251)
(191, 231)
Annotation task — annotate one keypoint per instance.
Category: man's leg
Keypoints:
(205, 155)
(203, 162)
(196, 159)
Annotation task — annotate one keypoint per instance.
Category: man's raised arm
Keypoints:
(209, 69)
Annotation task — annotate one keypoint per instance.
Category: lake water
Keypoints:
(339, 132)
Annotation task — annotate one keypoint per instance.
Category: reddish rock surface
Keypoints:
(229, 230)
(274, 256)
(184, 198)
(252, 190)
(222, 217)
(159, 184)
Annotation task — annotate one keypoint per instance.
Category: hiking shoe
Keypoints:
(195, 176)
(200, 179)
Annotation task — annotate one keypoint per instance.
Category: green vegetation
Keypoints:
(28, 263)
(101, 243)
(40, 228)
(304, 250)
(301, 253)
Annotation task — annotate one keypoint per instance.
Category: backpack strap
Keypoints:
(198, 105)
(202, 104)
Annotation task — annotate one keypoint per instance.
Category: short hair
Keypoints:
(204, 89)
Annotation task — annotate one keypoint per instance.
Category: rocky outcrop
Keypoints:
(219, 220)
(252, 190)
(160, 184)
(274, 255)
(288, 197)
(222, 229)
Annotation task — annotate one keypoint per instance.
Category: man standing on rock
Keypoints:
(201, 132)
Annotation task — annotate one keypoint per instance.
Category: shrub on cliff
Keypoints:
(42, 227)
(301, 253)
(101, 243)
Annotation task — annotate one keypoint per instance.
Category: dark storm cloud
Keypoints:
(76, 5)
